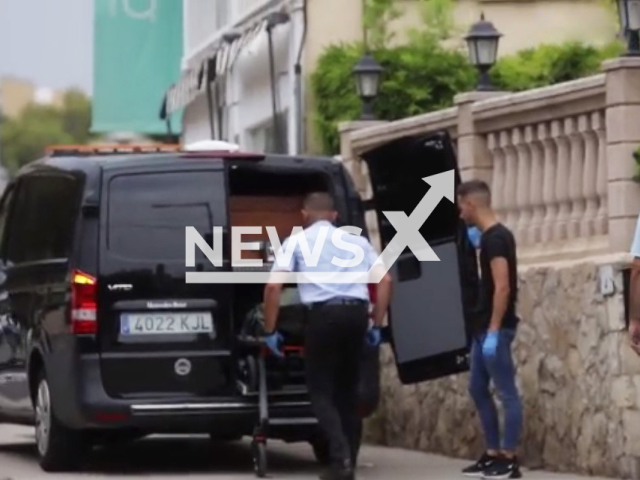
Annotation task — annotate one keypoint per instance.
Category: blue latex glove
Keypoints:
(474, 235)
(374, 337)
(274, 342)
(490, 344)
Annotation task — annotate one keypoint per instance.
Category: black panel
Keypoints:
(433, 302)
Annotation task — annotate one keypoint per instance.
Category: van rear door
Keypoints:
(428, 326)
(159, 335)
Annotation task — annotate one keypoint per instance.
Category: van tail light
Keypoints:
(84, 307)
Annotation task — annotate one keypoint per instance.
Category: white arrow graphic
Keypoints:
(408, 234)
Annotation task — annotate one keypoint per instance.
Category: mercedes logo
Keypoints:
(182, 367)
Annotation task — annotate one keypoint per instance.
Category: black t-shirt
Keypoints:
(497, 241)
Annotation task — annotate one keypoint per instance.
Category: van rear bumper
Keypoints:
(93, 409)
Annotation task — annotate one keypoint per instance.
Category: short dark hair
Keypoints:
(475, 187)
(318, 202)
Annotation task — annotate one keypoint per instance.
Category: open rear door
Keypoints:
(429, 311)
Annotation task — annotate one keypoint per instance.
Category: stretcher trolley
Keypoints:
(278, 385)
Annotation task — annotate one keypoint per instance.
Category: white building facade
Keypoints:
(233, 49)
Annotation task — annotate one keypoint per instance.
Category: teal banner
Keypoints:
(137, 53)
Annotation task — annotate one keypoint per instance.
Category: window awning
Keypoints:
(213, 63)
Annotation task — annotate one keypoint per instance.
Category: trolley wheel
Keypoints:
(259, 450)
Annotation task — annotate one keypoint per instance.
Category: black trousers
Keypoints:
(333, 348)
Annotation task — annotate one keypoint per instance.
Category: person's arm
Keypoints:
(497, 251)
(383, 298)
(634, 293)
(500, 274)
(272, 292)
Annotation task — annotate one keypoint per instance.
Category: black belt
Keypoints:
(340, 301)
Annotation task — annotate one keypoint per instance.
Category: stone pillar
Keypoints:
(523, 184)
(589, 185)
(536, 197)
(359, 172)
(549, 185)
(602, 177)
(576, 170)
(498, 172)
(623, 137)
(511, 177)
(562, 179)
(474, 158)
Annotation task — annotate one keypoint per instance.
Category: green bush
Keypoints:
(636, 157)
(422, 76)
(418, 78)
(550, 64)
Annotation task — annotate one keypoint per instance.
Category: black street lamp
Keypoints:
(367, 73)
(629, 11)
(482, 40)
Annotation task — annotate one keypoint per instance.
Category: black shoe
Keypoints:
(503, 468)
(481, 466)
(339, 472)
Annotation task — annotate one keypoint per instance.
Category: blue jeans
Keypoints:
(501, 370)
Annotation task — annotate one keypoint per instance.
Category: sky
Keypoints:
(48, 42)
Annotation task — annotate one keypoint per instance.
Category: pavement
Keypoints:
(173, 458)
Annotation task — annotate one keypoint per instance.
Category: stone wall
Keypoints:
(579, 380)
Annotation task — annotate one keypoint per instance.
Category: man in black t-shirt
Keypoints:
(494, 329)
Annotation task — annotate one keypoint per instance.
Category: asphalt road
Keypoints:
(173, 458)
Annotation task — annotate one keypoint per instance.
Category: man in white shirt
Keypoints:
(337, 326)
(634, 293)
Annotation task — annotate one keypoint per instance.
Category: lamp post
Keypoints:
(367, 73)
(629, 11)
(482, 40)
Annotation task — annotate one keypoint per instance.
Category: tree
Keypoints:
(26, 138)
(76, 116)
(420, 76)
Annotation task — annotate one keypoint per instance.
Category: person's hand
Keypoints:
(490, 344)
(273, 342)
(634, 335)
(474, 235)
(374, 337)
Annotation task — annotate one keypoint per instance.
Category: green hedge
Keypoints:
(417, 79)
(422, 76)
(551, 64)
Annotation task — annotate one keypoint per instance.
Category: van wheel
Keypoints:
(59, 448)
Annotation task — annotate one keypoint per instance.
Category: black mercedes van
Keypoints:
(102, 339)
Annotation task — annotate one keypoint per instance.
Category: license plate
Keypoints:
(166, 323)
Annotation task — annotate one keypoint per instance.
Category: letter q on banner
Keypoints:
(136, 9)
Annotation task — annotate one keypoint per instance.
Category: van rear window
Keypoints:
(148, 213)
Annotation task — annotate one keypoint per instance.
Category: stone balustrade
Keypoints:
(546, 154)
(546, 167)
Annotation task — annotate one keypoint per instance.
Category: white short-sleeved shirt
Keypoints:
(321, 292)
(635, 246)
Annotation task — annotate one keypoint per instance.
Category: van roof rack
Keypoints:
(110, 149)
